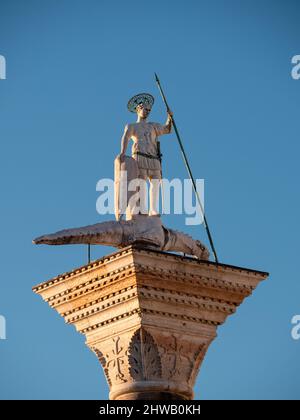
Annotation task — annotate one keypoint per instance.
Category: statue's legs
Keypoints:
(154, 177)
(138, 203)
(155, 180)
(140, 206)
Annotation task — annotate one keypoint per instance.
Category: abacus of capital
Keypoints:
(148, 313)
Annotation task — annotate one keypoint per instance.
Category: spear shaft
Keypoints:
(188, 169)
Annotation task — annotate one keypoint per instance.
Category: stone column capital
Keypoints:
(149, 316)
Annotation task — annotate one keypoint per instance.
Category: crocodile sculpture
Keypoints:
(146, 231)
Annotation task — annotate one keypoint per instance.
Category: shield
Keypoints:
(124, 172)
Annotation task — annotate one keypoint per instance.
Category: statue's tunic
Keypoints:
(144, 136)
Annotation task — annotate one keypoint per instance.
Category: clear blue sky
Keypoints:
(225, 65)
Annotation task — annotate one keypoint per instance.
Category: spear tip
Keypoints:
(156, 77)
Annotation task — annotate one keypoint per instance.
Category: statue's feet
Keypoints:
(142, 216)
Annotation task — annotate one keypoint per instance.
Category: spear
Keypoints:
(188, 169)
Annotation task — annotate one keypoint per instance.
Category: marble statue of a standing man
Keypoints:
(145, 150)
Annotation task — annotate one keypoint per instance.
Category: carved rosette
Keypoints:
(149, 316)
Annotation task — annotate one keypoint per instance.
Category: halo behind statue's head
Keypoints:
(141, 98)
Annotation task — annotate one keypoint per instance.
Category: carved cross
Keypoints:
(177, 355)
(116, 360)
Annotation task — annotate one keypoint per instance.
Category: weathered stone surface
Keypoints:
(149, 316)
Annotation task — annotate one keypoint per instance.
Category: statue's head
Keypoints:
(143, 111)
(141, 104)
